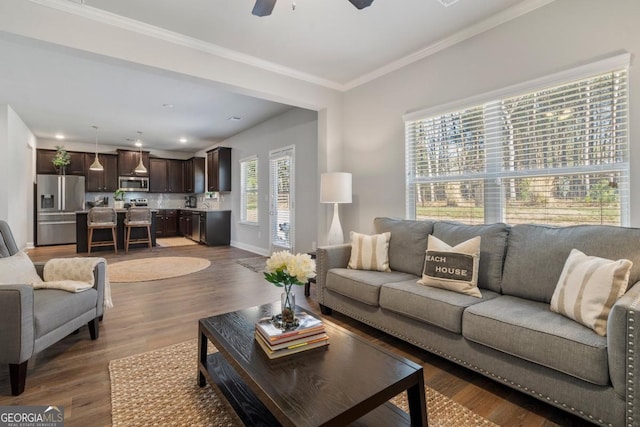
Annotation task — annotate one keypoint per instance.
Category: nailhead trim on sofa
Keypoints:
(345, 310)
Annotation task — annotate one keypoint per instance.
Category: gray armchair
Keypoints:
(32, 320)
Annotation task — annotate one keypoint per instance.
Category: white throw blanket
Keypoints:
(74, 275)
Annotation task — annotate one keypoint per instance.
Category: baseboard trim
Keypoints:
(250, 248)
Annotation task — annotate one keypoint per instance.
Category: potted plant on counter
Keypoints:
(118, 199)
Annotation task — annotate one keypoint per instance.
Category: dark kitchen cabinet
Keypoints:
(157, 175)
(184, 223)
(104, 180)
(44, 162)
(167, 223)
(175, 182)
(215, 228)
(128, 160)
(166, 176)
(219, 169)
(194, 175)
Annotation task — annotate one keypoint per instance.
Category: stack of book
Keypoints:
(276, 343)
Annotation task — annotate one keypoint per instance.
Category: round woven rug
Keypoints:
(160, 388)
(146, 269)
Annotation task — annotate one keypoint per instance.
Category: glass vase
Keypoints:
(288, 309)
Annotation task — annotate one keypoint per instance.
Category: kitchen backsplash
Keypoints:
(160, 200)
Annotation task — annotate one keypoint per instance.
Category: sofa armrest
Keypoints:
(99, 283)
(328, 257)
(623, 346)
(16, 323)
(77, 269)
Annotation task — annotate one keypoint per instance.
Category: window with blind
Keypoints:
(553, 155)
(249, 190)
(282, 198)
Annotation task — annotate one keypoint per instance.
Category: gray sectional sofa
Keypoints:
(510, 334)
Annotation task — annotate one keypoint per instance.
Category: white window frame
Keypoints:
(245, 191)
(494, 211)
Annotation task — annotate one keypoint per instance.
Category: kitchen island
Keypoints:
(82, 233)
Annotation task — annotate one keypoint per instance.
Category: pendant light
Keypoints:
(140, 168)
(96, 166)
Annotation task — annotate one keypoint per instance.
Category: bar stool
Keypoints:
(102, 218)
(137, 218)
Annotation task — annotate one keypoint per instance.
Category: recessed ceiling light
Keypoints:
(59, 136)
(167, 105)
(234, 118)
(138, 144)
(447, 3)
(183, 140)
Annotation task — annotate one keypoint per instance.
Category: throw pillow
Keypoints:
(588, 287)
(453, 268)
(370, 252)
(18, 269)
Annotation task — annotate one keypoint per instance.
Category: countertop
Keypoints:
(86, 211)
(201, 209)
(157, 209)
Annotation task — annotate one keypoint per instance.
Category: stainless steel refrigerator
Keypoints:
(59, 197)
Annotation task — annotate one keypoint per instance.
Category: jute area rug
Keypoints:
(160, 388)
(172, 242)
(145, 269)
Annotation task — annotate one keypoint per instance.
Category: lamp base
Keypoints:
(336, 236)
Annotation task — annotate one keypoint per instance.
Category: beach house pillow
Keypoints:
(370, 252)
(453, 268)
(18, 269)
(588, 287)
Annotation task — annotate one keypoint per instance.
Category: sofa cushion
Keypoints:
(536, 255)
(18, 269)
(493, 246)
(369, 252)
(530, 330)
(408, 242)
(436, 306)
(588, 288)
(453, 268)
(362, 285)
(53, 308)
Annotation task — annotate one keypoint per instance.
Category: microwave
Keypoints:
(133, 183)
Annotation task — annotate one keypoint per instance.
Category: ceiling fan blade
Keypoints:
(361, 4)
(264, 7)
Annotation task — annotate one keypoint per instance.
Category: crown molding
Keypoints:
(129, 24)
(109, 18)
(469, 32)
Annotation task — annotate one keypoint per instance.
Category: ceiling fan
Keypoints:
(265, 7)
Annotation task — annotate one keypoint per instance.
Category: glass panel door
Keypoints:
(281, 199)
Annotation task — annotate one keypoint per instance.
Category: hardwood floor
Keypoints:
(150, 315)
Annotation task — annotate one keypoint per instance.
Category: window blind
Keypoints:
(556, 155)
(249, 190)
(282, 174)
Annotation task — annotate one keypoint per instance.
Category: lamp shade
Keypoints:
(335, 187)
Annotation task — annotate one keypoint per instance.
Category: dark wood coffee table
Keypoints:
(349, 381)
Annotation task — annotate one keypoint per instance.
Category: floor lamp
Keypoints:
(335, 187)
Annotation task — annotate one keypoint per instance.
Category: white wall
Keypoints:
(297, 127)
(556, 37)
(16, 169)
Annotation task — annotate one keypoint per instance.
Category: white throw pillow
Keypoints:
(370, 252)
(588, 287)
(18, 269)
(453, 268)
